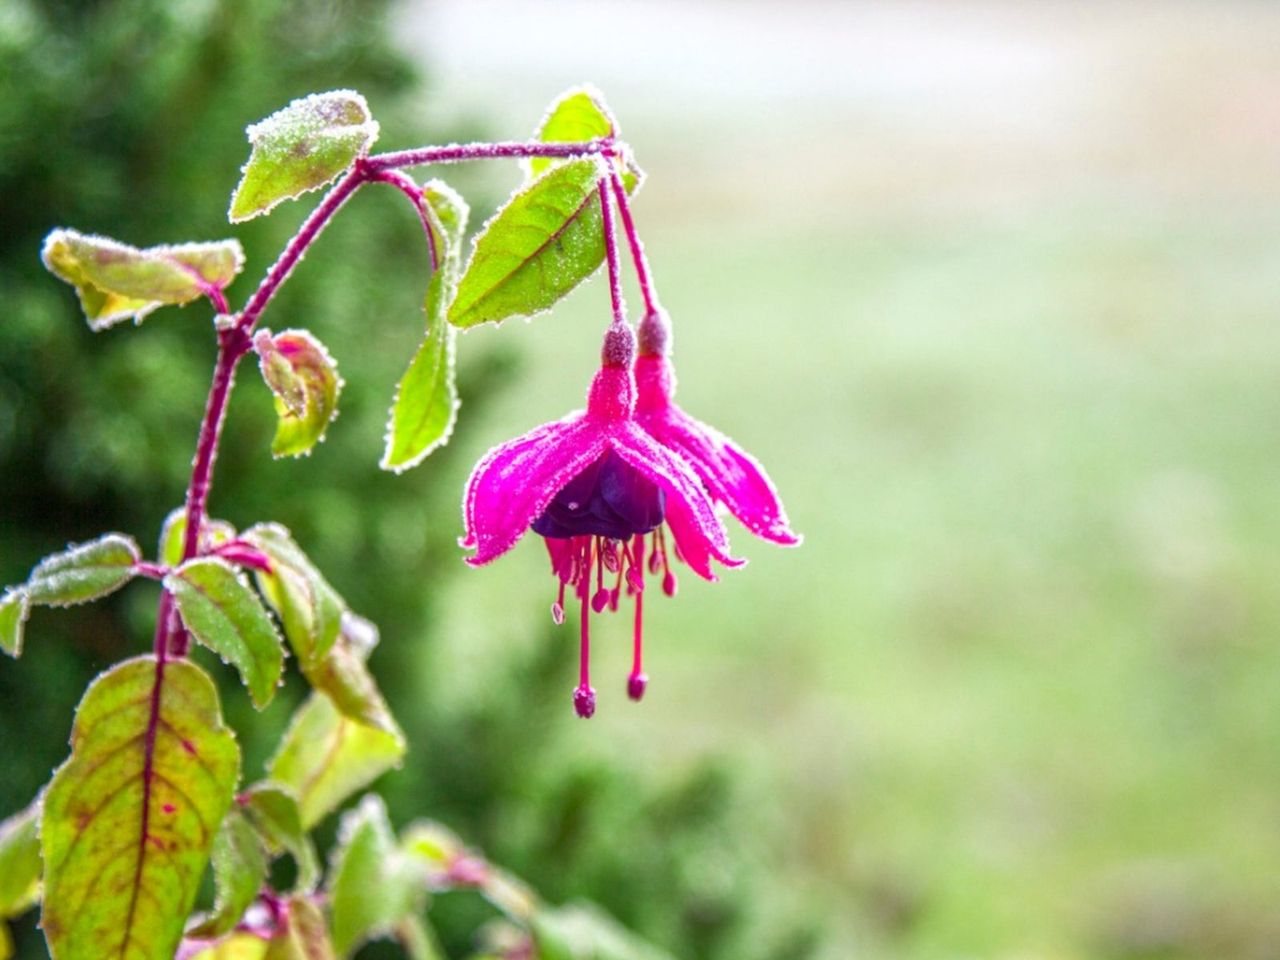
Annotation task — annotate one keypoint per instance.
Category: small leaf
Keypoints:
(116, 281)
(342, 675)
(173, 533)
(129, 818)
(326, 757)
(372, 886)
(438, 850)
(426, 404)
(221, 610)
(302, 934)
(84, 572)
(239, 870)
(578, 115)
(285, 382)
(301, 148)
(315, 370)
(20, 861)
(273, 811)
(14, 607)
(308, 607)
(546, 240)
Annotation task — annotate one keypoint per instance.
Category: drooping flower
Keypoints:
(596, 486)
(731, 476)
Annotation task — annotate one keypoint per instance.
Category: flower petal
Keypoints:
(734, 477)
(690, 513)
(515, 482)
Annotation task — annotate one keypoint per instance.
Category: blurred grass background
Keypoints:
(992, 290)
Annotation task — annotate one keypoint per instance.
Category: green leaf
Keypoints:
(14, 607)
(326, 757)
(117, 282)
(426, 403)
(221, 610)
(317, 373)
(238, 946)
(418, 939)
(84, 572)
(308, 607)
(582, 931)
(543, 243)
(129, 818)
(173, 534)
(343, 676)
(578, 115)
(301, 148)
(20, 861)
(372, 886)
(239, 870)
(302, 935)
(273, 811)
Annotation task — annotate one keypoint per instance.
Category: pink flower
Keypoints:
(731, 475)
(595, 485)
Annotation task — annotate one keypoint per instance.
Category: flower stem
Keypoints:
(611, 253)
(454, 152)
(638, 257)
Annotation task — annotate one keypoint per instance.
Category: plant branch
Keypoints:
(455, 152)
(611, 251)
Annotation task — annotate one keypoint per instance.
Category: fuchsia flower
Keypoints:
(595, 485)
(731, 475)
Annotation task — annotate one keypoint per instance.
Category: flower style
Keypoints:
(731, 476)
(595, 485)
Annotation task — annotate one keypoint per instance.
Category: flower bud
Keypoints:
(619, 346)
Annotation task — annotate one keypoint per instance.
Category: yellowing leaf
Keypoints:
(117, 282)
(312, 371)
(300, 148)
(129, 818)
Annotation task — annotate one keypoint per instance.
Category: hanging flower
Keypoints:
(603, 493)
(731, 476)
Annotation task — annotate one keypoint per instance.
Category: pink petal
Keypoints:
(690, 513)
(734, 477)
(516, 482)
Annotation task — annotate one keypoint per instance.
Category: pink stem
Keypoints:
(455, 152)
(409, 187)
(641, 261)
(611, 254)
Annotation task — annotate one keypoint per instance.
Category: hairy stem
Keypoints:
(611, 252)
(638, 257)
(455, 152)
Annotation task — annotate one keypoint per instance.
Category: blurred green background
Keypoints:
(991, 288)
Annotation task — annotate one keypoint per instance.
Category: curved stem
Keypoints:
(638, 257)
(611, 252)
(410, 188)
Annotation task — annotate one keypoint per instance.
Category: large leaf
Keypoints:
(129, 818)
(426, 404)
(20, 861)
(14, 607)
(546, 240)
(372, 885)
(300, 148)
(116, 281)
(326, 757)
(220, 609)
(308, 607)
(239, 870)
(313, 374)
(273, 811)
(83, 573)
(577, 116)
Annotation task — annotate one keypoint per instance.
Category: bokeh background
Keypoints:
(992, 289)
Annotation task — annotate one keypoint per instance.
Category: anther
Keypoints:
(584, 700)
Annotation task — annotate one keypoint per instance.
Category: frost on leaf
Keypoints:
(426, 402)
(115, 281)
(14, 607)
(293, 363)
(579, 115)
(84, 572)
(221, 610)
(541, 244)
(301, 148)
